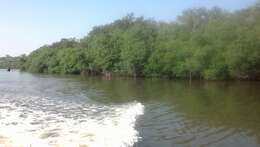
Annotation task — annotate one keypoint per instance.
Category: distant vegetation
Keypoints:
(202, 43)
(8, 61)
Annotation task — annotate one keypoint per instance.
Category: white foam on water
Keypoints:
(25, 127)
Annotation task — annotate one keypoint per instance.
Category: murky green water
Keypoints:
(47, 110)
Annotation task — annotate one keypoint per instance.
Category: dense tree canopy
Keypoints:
(201, 43)
(10, 62)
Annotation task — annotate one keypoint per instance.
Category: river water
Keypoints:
(72, 111)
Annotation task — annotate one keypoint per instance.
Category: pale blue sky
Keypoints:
(26, 25)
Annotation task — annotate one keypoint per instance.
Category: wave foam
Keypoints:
(24, 127)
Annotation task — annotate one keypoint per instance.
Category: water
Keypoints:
(72, 111)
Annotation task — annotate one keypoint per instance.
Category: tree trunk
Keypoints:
(190, 76)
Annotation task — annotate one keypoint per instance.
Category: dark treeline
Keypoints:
(202, 43)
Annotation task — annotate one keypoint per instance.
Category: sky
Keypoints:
(25, 25)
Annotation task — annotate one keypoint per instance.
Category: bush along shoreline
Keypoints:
(210, 44)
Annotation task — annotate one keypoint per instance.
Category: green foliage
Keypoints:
(203, 43)
(138, 43)
(10, 62)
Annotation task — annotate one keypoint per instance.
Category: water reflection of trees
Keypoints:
(232, 105)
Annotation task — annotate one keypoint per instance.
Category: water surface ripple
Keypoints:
(56, 111)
